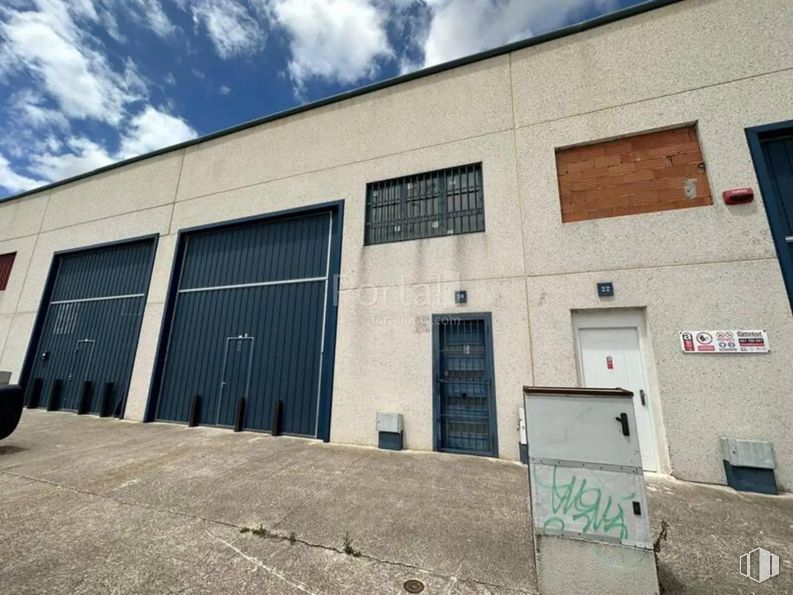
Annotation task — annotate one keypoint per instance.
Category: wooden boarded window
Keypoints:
(656, 171)
(6, 263)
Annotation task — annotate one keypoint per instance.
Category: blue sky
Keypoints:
(84, 83)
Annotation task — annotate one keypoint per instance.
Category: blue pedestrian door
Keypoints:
(236, 383)
(775, 172)
(464, 401)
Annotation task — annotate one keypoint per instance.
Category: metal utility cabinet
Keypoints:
(589, 508)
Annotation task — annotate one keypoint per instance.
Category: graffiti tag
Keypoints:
(585, 507)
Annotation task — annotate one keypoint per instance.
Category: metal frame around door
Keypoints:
(756, 137)
(223, 383)
(437, 320)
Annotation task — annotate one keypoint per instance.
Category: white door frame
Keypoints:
(633, 318)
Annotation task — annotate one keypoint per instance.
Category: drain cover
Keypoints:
(413, 586)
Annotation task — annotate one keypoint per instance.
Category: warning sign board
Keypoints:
(733, 341)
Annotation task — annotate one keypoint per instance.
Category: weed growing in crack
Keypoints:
(262, 531)
(259, 531)
(348, 549)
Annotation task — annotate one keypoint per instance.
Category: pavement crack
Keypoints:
(118, 500)
(300, 586)
(453, 579)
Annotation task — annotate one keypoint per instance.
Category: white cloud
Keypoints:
(48, 45)
(29, 107)
(97, 11)
(334, 40)
(150, 13)
(146, 13)
(153, 129)
(13, 181)
(232, 28)
(462, 27)
(82, 155)
(68, 79)
(224, 90)
(148, 131)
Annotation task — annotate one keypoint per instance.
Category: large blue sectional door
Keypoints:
(85, 350)
(248, 324)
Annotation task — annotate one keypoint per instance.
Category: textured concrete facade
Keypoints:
(723, 65)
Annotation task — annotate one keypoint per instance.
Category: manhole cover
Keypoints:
(413, 586)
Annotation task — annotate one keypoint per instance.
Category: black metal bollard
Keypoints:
(239, 417)
(85, 398)
(34, 396)
(195, 411)
(278, 410)
(54, 402)
(107, 400)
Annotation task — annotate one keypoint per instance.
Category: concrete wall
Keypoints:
(679, 266)
(722, 64)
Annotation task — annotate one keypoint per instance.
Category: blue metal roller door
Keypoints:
(91, 323)
(249, 323)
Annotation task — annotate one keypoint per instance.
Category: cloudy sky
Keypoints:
(84, 83)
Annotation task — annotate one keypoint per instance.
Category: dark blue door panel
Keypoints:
(464, 387)
(237, 364)
(91, 323)
(779, 158)
(772, 151)
(249, 321)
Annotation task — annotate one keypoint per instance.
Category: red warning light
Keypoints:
(738, 196)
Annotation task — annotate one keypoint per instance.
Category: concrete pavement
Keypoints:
(93, 505)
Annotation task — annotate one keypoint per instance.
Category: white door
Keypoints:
(610, 356)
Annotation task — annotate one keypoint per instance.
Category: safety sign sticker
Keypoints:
(732, 341)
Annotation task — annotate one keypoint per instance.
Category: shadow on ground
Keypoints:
(8, 449)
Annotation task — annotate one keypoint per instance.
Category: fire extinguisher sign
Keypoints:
(724, 341)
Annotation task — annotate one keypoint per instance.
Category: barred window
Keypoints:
(437, 203)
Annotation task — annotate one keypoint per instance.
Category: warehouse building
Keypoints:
(577, 209)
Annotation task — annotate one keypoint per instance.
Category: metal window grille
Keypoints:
(426, 205)
(6, 263)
